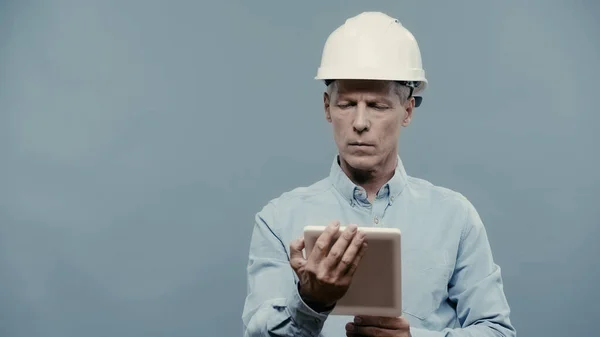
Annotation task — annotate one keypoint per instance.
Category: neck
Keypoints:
(371, 180)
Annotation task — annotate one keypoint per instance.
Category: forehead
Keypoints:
(371, 87)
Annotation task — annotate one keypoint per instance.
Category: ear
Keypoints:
(327, 107)
(410, 106)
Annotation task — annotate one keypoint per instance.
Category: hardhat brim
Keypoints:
(412, 75)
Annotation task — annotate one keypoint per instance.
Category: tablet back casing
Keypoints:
(376, 287)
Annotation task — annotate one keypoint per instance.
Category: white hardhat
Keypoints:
(373, 46)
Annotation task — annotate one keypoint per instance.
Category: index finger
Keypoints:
(339, 247)
(323, 243)
(296, 257)
(395, 323)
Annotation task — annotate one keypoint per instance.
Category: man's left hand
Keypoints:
(370, 326)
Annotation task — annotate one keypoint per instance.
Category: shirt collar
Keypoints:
(351, 192)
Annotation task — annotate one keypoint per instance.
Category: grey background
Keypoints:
(136, 136)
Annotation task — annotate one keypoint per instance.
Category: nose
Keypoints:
(361, 120)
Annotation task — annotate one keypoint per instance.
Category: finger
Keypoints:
(321, 248)
(353, 255)
(358, 330)
(393, 323)
(339, 247)
(297, 259)
(350, 330)
(349, 333)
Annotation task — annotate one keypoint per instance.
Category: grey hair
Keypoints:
(400, 89)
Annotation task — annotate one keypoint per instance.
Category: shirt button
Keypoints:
(376, 220)
(392, 198)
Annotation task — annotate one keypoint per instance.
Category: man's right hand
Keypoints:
(327, 273)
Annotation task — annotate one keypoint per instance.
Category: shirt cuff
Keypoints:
(305, 316)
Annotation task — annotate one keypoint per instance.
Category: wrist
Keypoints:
(304, 317)
(319, 307)
(314, 304)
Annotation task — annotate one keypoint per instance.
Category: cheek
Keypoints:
(390, 132)
(339, 125)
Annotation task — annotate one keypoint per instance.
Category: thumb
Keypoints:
(297, 259)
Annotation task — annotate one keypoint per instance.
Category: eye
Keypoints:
(379, 106)
(344, 105)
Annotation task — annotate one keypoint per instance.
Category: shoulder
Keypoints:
(297, 195)
(304, 193)
(452, 208)
(440, 197)
(285, 214)
(422, 188)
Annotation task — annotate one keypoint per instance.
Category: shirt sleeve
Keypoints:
(273, 306)
(476, 287)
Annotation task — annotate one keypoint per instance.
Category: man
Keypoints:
(451, 285)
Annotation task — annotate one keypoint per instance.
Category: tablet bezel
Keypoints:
(393, 235)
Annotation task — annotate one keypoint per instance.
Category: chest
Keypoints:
(426, 232)
(429, 244)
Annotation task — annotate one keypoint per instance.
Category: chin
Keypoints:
(360, 162)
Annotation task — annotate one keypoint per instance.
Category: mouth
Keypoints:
(360, 144)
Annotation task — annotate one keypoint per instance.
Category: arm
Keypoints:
(273, 306)
(476, 287)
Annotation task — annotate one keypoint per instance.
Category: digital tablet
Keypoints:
(376, 288)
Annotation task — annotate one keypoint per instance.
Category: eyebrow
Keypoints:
(341, 97)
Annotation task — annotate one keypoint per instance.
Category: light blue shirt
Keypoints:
(451, 285)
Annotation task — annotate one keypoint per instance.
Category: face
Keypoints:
(367, 117)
